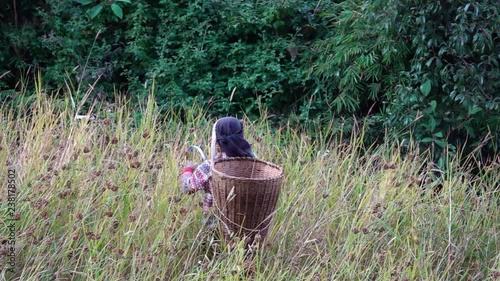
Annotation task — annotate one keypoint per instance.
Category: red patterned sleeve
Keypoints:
(199, 179)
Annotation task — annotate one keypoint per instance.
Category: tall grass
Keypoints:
(100, 200)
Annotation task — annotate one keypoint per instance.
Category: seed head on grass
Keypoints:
(79, 216)
(111, 186)
(114, 226)
(135, 165)
(65, 193)
(30, 231)
(41, 203)
(95, 174)
(44, 214)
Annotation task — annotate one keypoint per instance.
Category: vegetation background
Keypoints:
(358, 100)
(426, 71)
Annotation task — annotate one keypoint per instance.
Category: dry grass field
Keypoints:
(100, 200)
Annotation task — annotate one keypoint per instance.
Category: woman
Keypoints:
(229, 137)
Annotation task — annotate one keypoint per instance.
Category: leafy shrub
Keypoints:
(424, 68)
(208, 49)
(194, 50)
(454, 72)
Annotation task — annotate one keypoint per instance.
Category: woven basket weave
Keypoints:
(245, 194)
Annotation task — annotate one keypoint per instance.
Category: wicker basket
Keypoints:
(245, 194)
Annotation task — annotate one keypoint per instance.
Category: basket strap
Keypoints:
(213, 150)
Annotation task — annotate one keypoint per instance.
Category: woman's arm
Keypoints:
(194, 179)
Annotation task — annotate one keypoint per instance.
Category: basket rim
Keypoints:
(280, 175)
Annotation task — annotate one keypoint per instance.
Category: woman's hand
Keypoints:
(190, 167)
(187, 177)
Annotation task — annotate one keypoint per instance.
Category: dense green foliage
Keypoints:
(420, 69)
(428, 66)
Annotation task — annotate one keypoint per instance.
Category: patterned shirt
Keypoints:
(199, 179)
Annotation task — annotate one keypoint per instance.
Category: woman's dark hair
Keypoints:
(229, 133)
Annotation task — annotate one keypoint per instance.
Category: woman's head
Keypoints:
(229, 133)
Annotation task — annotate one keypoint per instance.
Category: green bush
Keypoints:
(454, 72)
(425, 68)
(194, 50)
